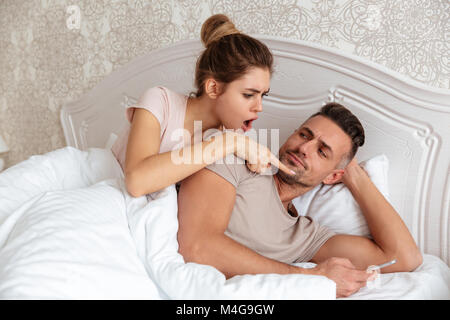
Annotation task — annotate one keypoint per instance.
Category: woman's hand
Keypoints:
(258, 157)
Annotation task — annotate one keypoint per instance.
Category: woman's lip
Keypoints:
(295, 159)
(249, 126)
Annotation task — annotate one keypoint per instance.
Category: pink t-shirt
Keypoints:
(169, 108)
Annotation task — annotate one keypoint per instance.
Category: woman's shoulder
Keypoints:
(163, 91)
(160, 96)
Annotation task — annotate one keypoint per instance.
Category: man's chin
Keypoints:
(288, 179)
(292, 179)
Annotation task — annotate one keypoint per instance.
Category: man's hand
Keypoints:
(347, 278)
(352, 173)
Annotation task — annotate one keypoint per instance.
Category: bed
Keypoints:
(69, 230)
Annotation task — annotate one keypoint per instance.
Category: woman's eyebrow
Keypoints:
(256, 90)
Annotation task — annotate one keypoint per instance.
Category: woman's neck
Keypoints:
(201, 109)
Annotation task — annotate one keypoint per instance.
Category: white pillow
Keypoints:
(333, 206)
(65, 168)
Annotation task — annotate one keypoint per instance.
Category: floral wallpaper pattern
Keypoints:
(54, 51)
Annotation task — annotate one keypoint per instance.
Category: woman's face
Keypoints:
(238, 106)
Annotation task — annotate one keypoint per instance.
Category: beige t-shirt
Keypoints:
(259, 220)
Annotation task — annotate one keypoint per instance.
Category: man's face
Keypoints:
(314, 152)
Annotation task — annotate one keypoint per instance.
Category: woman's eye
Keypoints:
(247, 95)
(264, 95)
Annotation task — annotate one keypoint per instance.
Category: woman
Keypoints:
(232, 76)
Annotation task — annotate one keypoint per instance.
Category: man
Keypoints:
(244, 223)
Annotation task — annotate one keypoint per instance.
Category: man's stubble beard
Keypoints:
(293, 180)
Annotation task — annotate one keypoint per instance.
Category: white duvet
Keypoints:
(69, 230)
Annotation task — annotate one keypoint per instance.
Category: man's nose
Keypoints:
(305, 147)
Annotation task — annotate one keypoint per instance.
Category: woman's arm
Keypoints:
(147, 171)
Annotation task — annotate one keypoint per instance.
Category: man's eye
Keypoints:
(322, 153)
(264, 95)
(247, 95)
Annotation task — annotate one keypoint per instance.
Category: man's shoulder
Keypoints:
(231, 168)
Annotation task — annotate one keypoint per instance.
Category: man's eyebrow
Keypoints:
(324, 144)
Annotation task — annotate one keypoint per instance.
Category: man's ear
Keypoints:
(334, 177)
(213, 88)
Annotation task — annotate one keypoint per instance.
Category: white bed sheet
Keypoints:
(64, 235)
(430, 281)
(65, 223)
(158, 247)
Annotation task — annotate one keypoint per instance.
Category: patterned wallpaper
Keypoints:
(53, 51)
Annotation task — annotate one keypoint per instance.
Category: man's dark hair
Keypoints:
(348, 122)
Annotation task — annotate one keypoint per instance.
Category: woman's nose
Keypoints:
(258, 106)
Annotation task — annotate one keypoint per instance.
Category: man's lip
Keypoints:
(296, 159)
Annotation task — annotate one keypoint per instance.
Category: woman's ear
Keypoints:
(334, 177)
(213, 88)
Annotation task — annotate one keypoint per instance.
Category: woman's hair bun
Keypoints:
(216, 27)
(228, 53)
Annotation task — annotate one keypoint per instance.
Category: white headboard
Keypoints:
(404, 119)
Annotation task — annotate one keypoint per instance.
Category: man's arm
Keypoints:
(391, 237)
(205, 204)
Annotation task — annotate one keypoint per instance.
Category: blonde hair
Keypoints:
(228, 53)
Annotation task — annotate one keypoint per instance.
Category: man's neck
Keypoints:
(288, 192)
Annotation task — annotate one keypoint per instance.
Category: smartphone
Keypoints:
(389, 263)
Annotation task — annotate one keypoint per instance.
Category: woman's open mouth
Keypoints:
(247, 124)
